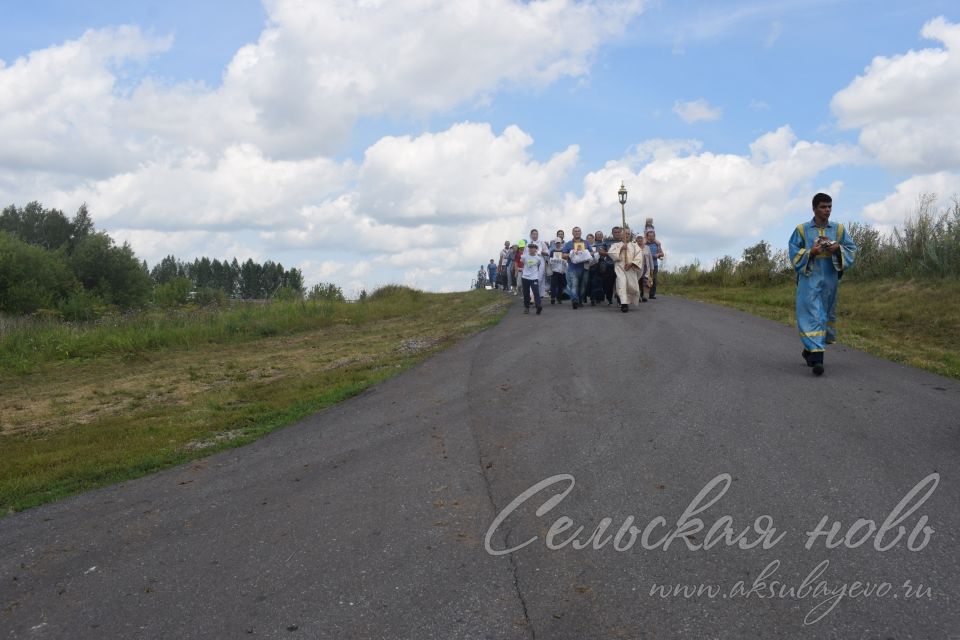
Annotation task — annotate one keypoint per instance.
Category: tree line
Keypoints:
(56, 264)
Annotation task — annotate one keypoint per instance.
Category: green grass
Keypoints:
(915, 322)
(28, 346)
(101, 404)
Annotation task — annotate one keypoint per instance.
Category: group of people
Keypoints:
(593, 268)
(624, 267)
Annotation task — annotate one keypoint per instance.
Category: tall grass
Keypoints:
(27, 344)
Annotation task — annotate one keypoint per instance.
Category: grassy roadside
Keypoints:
(912, 322)
(82, 408)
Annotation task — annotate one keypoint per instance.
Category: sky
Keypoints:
(375, 142)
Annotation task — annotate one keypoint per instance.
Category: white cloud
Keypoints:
(153, 246)
(239, 189)
(774, 34)
(244, 169)
(298, 91)
(709, 200)
(907, 106)
(57, 104)
(323, 271)
(696, 111)
(896, 207)
(464, 173)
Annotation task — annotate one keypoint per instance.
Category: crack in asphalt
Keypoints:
(514, 569)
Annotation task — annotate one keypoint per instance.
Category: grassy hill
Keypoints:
(85, 405)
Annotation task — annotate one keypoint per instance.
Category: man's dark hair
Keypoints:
(821, 197)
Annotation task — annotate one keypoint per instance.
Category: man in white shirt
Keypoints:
(531, 276)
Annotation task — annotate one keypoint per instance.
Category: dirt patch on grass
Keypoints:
(206, 443)
(412, 347)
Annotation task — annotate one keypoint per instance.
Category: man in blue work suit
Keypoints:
(820, 251)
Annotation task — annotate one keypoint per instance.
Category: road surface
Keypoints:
(388, 516)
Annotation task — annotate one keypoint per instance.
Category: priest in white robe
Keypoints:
(628, 260)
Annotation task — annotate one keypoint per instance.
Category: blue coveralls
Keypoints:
(817, 282)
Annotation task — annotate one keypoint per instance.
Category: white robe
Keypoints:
(629, 267)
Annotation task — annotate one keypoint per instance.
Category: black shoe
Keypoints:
(539, 309)
(609, 302)
(806, 357)
(817, 368)
(526, 309)
(574, 304)
(653, 297)
(552, 301)
(592, 303)
(643, 299)
(624, 308)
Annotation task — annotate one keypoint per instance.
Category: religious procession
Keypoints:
(622, 269)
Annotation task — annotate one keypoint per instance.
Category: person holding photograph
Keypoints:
(577, 253)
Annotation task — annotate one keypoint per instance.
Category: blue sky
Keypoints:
(264, 130)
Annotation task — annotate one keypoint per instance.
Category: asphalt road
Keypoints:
(373, 519)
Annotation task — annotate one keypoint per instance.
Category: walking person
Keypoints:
(608, 273)
(820, 252)
(645, 277)
(506, 263)
(656, 253)
(577, 252)
(628, 262)
(543, 250)
(492, 273)
(556, 251)
(530, 278)
(558, 267)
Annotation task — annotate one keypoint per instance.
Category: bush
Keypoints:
(395, 291)
(326, 291)
(210, 297)
(81, 306)
(172, 293)
(289, 294)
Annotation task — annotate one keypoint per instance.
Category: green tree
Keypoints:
(757, 264)
(80, 227)
(31, 278)
(293, 279)
(249, 283)
(113, 273)
(47, 228)
(166, 270)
